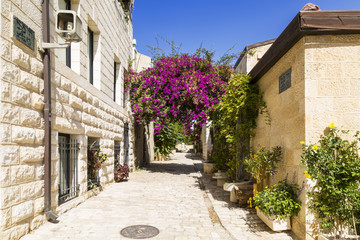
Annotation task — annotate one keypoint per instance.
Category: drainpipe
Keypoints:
(47, 113)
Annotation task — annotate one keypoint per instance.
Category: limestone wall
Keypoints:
(332, 83)
(332, 87)
(287, 129)
(325, 80)
(79, 108)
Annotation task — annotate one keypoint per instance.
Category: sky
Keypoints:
(217, 24)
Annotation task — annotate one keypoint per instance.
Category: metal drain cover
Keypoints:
(140, 232)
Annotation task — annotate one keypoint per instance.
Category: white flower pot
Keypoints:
(274, 223)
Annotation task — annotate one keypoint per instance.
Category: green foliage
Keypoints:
(181, 137)
(95, 160)
(166, 140)
(239, 108)
(334, 164)
(168, 137)
(221, 153)
(279, 200)
(234, 118)
(263, 161)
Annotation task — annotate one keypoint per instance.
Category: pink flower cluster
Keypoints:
(181, 89)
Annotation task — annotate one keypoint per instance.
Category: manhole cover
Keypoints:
(140, 232)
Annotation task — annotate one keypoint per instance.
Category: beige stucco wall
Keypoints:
(78, 108)
(325, 88)
(141, 62)
(251, 58)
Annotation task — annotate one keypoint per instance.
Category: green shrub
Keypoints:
(279, 200)
(334, 164)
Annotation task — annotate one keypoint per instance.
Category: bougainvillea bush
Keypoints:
(176, 89)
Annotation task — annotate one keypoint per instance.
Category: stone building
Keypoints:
(310, 77)
(250, 56)
(47, 126)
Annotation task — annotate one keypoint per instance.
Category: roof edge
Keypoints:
(306, 23)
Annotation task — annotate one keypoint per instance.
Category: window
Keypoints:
(68, 178)
(92, 172)
(91, 55)
(116, 153)
(124, 90)
(116, 82)
(126, 143)
(65, 55)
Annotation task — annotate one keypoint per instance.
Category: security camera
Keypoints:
(68, 25)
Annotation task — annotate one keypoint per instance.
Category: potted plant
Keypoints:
(334, 165)
(121, 172)
(95, 160)
(275, 205)
(262, 162)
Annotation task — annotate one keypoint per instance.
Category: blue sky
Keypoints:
(218, 24)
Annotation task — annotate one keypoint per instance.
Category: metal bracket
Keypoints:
(43, 45)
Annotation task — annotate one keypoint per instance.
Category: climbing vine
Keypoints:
(234, 119)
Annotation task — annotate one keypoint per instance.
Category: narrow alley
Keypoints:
(167, 196)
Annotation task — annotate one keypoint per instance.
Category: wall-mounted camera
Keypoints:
(68, 25)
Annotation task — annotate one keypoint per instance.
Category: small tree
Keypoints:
(334, 164)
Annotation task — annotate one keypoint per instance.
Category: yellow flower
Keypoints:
(332, 125)
(302, 142)
(255, 156)
(315, 147)
(256, 208)
(266, 187)
(307, 175)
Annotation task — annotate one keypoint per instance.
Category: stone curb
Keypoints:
(210, 200)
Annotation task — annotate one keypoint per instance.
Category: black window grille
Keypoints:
(68, 171)
(126, 143)
(93, 177)
(117, 152)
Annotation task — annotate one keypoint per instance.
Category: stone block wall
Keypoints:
(332, 89)
(79, 108)
(287, 129)
(332, 83)
(325, 82)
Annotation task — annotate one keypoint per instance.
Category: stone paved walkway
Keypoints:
(166, 195)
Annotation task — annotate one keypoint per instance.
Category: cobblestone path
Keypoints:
(166, 195)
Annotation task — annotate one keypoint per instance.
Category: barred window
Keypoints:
(68, 171)
(116, 153)
(92, 174)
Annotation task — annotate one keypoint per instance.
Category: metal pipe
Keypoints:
(47, 112)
